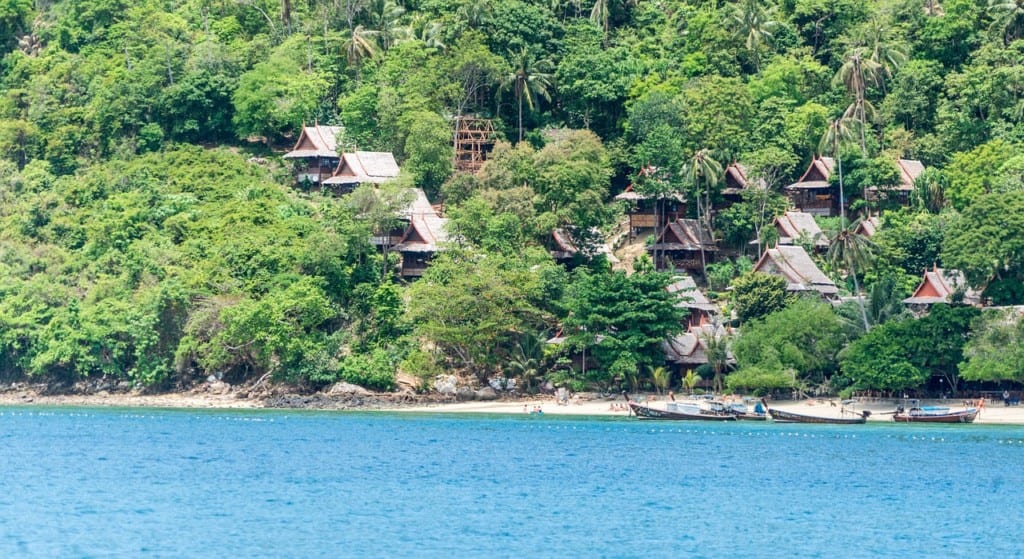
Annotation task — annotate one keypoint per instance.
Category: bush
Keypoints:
(375, 370)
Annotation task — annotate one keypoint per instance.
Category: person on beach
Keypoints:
(1006, 398)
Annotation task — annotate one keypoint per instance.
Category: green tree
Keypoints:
(986, 243)
(428, 151)
(530, 78)
(758, 295)
(754, 24)
(995, 349)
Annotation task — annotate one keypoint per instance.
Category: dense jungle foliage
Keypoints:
(151, 231)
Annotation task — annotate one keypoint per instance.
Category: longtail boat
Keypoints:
(780, 416)
(934, 414)
(680, 411)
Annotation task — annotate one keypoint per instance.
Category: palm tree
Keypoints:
(702, 168)
(857, 71)
(755, 25)
(1009, 16)
(852, 252)
(358, 46)
(527, 359)
(529, 79)
(660, 377)
(838, 132)
(385, 15)
(716, 347)
(599, 15)
(690, 380)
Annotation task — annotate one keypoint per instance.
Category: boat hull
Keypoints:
(646, 412)
(780, 416)
(963, 416)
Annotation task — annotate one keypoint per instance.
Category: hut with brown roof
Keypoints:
(315, 153)
(650, 212)
(362, 167)
(736, 181)
(702, 310)
(564, 249)
(680, 245)
(794, 265)
(813, 193)
(941, 286)
(689, 349)
(868, 226)
(794, 227)
(898, 194)
(424, 237)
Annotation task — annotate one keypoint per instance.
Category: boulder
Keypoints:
(347, 389)
(219, 387)
(446, 384)
(465, 394)
(485, 394)
(407, 382)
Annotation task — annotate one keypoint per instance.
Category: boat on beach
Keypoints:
(695, 410)
(781, 416)
(935, 414)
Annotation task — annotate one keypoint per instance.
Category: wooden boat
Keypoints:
(929, 414)
(677, 411)
(780, 416)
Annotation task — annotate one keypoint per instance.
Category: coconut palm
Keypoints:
(360, 44)
(716, 348)
(754, 24)
(526, 360)
(690, 380)
(703, 169)
(599, 15)
(852, 252)
(839, 132)
(857, 72)
(530, 78)
(1008, 17)
(386, 15)
(660, 377)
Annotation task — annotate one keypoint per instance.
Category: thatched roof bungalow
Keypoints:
(794, 265)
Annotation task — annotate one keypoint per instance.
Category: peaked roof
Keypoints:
(566, 248)
(797, 268)
(689, 348)
(690, 297)
(939, 285)
(426, 230)
(868, 226)
(684, 234)
(909, 169)
(793, 225)
(364, 167)
(317, 141)
(817, 174)
(735, 177)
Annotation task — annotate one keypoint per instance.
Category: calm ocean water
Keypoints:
(130, 483)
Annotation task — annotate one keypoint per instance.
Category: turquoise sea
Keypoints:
(154, 483)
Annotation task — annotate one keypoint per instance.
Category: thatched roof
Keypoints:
(684, 234)
(794, 225)
(426, 230)
(316, 141)
(689, 348)
(565, 247)
(939, 286)
(736, 180)
(364, 167)
(794, 265)
(690, 297)
(868, 226)
(816, 175)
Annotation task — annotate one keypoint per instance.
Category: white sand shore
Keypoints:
(993, 413)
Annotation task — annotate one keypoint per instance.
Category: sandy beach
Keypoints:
(992, 413)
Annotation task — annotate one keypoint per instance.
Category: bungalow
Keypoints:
(702, 311)
(564, 249)
(813, 193)
(941, 286)
(361, 167)
(801, 274)
(898, 194)
(736, 181)
(683, 246)
(649, 211)
(423, 238)
(794, 226)
(418, 205)
(315, 153)
(689, 349)
(868, 226)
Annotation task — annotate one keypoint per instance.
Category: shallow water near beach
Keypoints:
(176, 483)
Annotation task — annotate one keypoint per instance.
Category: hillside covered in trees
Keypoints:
(150, 230)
